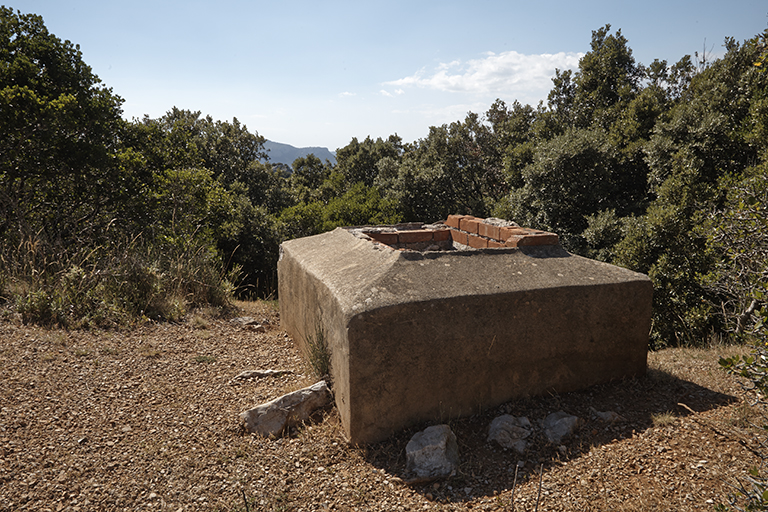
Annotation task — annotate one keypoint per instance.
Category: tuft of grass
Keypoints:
(205, 359)
(149, 351)
(199, 322)
(318, 353)
(744, 415)
(49, 356)
(82, 352)
(663, 419)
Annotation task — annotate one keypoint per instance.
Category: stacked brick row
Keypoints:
(477, 233)
(411, 236)
(414, 239)
(466, 230)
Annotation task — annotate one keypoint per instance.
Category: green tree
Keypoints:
(356, 161)
(360, 205)
(266, 186)
(457, 168)
(706, 137)
(514, 138)
(63, 174)
(308, 176)
(183, 139)
(737, 238)
(608, 79)
(572, 176)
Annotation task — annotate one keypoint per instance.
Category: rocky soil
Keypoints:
(148, 419)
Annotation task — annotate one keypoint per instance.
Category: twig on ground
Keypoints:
(541, 477)
(718, 432)
(514, 484)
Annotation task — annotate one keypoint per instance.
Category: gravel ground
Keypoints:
(148, 419)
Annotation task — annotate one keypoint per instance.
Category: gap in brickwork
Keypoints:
(458, 232)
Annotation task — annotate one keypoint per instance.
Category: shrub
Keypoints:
(753, 493)
(113, 284)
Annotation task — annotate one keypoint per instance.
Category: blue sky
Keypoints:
(317, 73)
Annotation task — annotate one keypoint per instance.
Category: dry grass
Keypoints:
(130, 421)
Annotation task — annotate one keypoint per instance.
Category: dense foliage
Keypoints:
(657, 168)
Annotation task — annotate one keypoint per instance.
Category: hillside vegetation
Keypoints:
(659, 168)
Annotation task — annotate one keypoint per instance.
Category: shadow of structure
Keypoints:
(486, 470)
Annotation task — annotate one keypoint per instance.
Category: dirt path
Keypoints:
(148, 420)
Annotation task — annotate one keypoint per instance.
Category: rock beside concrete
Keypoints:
(273, 418)
(249, 323)
(258, 374)
(432, 453)
(244, 321)
(510, 432)
(559, 425)
(608, 416)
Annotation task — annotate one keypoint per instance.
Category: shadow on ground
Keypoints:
(488, 470)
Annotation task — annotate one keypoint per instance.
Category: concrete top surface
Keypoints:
(364, 276)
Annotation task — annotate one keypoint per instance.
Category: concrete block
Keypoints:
(428, 336)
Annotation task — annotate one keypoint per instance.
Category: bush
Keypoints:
(113, 284)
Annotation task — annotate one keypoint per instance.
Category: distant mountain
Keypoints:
(286, 154)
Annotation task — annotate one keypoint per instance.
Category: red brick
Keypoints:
(409, 237)
(469, 224)
(459, 236)
(389, 238)
(441, 235)
(506, 232)
(494, 243)
(453, 221)
(477, 242)
(488, 230)
(541, 238)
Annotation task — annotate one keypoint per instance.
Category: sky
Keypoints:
(318, 73)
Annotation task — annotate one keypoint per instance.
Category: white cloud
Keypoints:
(493, 74)
(346, 94)
(388, 94)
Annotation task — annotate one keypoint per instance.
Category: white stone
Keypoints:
(559, 425)
(257, 374)
(244, 321)
(272, 418)
(432, 453)
(510, 432)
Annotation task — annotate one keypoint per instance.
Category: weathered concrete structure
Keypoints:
(455, 326)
